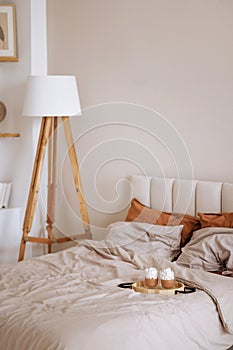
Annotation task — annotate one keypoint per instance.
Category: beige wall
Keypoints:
(170, 56)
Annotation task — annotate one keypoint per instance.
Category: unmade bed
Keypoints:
(72, 300)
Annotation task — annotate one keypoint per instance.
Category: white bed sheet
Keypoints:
(70, 300)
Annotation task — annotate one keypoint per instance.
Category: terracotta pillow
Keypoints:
(141, 213)
(216, 220)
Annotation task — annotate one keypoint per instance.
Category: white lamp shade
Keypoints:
(51, 96)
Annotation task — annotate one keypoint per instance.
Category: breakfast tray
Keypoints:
(142, 288)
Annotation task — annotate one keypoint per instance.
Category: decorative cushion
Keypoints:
(216, 220)
(141, 213)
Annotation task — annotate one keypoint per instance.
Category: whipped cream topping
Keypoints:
(167, 274)
(151, 273)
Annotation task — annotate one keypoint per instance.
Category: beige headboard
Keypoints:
(182, 196)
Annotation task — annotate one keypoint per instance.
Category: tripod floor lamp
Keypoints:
(51, 97)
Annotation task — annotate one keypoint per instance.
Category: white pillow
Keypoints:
(143, 238)
(210, 249)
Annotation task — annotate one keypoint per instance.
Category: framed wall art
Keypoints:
(8, 44)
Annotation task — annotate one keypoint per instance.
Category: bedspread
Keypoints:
(70, 300)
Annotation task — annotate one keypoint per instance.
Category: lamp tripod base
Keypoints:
(48, 135)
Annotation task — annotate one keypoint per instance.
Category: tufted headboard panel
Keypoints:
(182, 196)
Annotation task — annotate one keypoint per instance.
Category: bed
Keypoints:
(72, 300)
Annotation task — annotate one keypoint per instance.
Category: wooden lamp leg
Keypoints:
(76, 175)
(46, 125)
(52, 174)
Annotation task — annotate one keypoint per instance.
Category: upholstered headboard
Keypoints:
(183, 196)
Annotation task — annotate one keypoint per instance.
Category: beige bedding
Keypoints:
(210, 249)
(70, 301)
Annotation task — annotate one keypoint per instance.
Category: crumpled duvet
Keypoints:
(70, 300)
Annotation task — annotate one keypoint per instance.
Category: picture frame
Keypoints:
(8, 38)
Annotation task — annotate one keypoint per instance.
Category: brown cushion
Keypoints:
(141, 213)
(216, 220)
